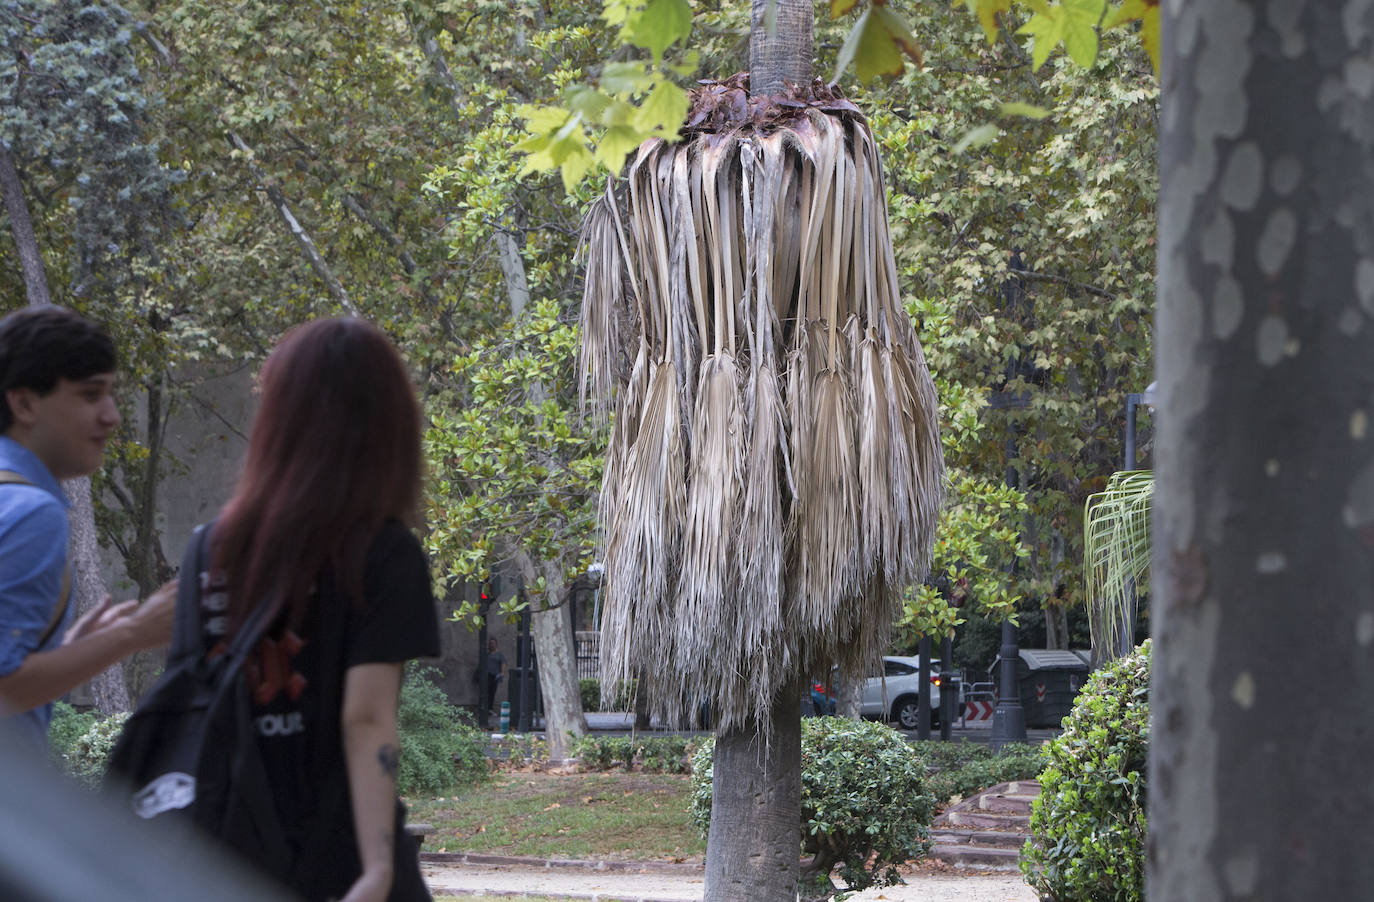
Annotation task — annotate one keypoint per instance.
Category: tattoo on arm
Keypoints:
(389, 757)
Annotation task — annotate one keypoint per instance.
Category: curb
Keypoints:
(543, 894)
(562, 864)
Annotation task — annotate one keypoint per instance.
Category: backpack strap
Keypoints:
(186, 630)
(64, 595)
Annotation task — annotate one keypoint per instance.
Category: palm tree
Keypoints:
(1116, 552)
(775, 471)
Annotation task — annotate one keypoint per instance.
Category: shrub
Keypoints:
(441, 748)
(91, 752)
(864, 801)
(659, 754)
(524, 750)
(1014, 762)
(946, 755)
(1088, 826)
(590, 690)
(67, 726)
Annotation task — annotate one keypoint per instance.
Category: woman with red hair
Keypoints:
(316, 532)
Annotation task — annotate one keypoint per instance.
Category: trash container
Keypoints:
(1048, 681)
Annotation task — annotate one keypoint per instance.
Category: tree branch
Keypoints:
(303, 239)
(21, 228)
(1060, 280)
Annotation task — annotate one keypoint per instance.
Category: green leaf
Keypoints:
(618, 143)
(1028, 110)
(658, 25)
(840, 7)
(587, 101)
(1073, 22)
(575, 166)
(977, 137)
(542, 120)
(625, 78)
(876, 44)
(1146, 12)
(664, 109)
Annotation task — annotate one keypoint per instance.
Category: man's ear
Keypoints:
(23, 403)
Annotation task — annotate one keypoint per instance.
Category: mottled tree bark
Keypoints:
(21, 228)
(754, 849)
(551, 625)
(785, 55)
(1264, 579)
(107, 688)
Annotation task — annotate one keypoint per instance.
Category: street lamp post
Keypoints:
(1009, 718)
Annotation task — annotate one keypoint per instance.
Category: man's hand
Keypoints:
(152, 620)
(98, 618)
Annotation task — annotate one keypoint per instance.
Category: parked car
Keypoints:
(893, 696)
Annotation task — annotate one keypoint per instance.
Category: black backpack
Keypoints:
(190, 750)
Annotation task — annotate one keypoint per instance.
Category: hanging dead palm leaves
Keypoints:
(775, 473)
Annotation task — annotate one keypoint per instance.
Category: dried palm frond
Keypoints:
(777, 484)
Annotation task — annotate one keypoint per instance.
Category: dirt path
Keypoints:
(923, 885)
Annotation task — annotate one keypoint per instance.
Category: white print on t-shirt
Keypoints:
(280, 724)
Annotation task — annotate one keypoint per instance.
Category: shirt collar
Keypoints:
(15, 457)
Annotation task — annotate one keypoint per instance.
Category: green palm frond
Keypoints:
(1116, 551)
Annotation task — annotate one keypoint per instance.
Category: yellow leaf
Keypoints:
(987, 15)
(840, 7)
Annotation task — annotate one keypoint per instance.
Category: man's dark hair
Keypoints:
(39, 345)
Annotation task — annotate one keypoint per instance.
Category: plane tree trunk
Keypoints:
(1264, 500)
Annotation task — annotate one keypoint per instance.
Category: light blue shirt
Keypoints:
(33, 555)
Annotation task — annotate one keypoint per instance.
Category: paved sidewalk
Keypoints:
(480, 877)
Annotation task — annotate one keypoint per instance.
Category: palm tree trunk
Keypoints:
(786, 55)
(753, 849)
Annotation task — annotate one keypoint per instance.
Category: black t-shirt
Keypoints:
(296, 676)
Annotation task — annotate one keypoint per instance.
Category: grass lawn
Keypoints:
(626, 816)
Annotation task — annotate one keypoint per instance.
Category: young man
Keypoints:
(56, 412)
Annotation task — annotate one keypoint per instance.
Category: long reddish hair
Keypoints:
(334, 453)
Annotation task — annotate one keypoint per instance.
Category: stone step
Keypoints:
(986, 820)
(1001, 839)
(982, 856)
(1003, 803)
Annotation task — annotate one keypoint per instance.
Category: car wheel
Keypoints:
(906, 711)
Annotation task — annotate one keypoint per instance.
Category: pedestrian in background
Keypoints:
(496, 669)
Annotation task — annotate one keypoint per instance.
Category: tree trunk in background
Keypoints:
(83, 555)
(557, 655)
(107, 688)
(849, 696)
(21, 228)
(754, 848)
(787, 54)
(1264, 518)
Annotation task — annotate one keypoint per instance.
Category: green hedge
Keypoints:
(659, 754)
(1088, 826)
(1013, 762)
(864, 798)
